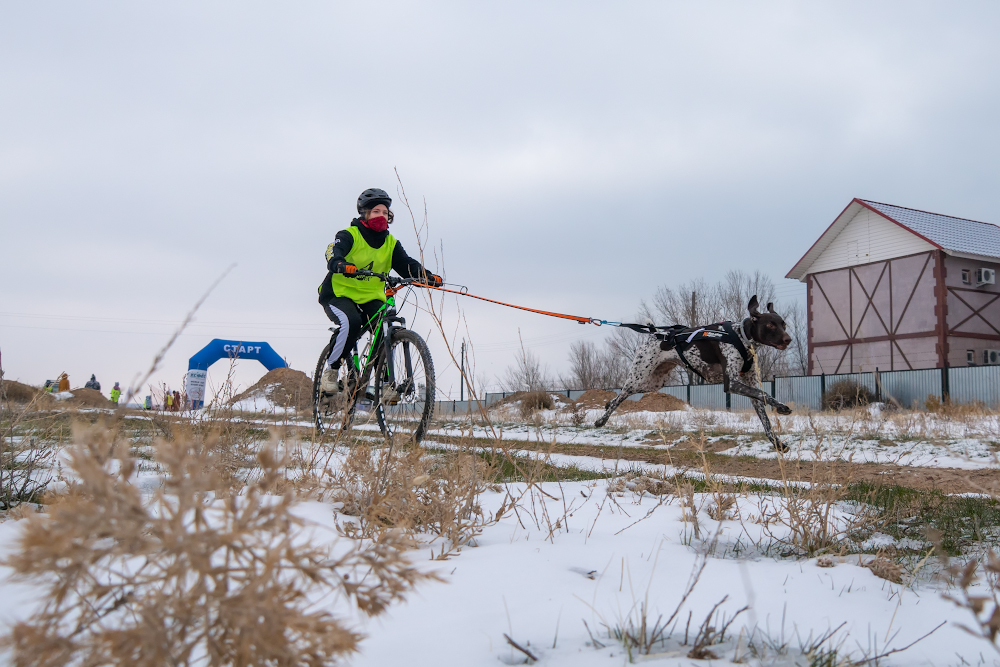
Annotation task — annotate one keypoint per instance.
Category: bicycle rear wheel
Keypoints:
(334, 414)
(405, 405)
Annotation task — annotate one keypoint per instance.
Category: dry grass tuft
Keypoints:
(976, 587)
(414, 491)
(193, 574)
(847, 394)
(886, 569)
(26, 444)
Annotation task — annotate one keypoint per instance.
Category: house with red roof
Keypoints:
(896, 288)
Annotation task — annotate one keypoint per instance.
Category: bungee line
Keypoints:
(641, 328)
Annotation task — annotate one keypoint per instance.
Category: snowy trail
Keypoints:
(965, 445)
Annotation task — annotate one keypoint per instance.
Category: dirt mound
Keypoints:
(594, 399)
(284, 387)
(22, 394)
(654, 402)
(88, 398)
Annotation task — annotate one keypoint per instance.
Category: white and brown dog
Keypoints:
(720, 352)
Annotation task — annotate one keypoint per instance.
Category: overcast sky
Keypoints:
(573, 156)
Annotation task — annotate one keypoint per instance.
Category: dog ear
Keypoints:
(770, 308)
(752, 307)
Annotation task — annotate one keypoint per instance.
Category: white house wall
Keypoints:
(867, 238)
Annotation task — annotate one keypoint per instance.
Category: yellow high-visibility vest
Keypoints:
(363, 256)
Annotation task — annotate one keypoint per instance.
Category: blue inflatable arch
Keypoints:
(220, 349)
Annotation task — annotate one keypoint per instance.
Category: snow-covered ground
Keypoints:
(611, 559)
(562, 592)
(562, 581)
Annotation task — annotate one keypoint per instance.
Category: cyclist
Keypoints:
(353, 302)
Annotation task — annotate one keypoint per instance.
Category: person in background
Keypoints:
(92, 383)
(148, 404)
(116, 393)
(177, 401)
(63, 382)
(168, 401)
(49, 386)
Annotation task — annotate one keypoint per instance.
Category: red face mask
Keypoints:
(377, 224)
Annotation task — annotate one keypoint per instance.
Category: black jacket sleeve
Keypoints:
(405, 265)
(337, 251)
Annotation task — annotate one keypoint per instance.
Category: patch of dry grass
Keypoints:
(196, 574)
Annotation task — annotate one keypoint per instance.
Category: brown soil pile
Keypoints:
(284, 387)
(594, 399)
(88, 398)
(22, 394)
(654, 402)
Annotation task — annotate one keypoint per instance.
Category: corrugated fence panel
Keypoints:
(677, 391)
(975, 384)
(804, 392)
(972, 384)
(708, 396)
(911, 388)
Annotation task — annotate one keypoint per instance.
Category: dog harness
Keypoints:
(681, 339)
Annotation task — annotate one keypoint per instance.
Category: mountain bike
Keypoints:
(393, 377)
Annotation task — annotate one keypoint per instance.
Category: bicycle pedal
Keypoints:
(390, 396)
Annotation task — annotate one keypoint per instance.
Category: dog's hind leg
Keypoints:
(612, 406)
(643, 373)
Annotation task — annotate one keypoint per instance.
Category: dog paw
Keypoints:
(783, 409)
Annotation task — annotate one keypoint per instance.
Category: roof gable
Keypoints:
(945, 231)
(868, 231)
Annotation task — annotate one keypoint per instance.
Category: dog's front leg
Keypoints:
(761, 410)
(755, 394)
(759, 400)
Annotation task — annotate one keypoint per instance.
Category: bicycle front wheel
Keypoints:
(404, 388)
(332, 413)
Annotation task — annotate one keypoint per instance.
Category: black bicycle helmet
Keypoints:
(372, 197)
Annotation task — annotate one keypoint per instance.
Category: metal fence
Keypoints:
(965, 385)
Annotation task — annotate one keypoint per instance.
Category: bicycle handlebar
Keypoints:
(391, 281)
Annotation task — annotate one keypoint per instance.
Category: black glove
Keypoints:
(434, 280)
(345, 268)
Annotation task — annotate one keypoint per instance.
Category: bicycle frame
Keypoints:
(386, 325)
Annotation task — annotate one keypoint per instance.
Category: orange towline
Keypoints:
(575, 318)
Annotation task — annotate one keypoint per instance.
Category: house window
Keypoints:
(970, 357)
(966, 276)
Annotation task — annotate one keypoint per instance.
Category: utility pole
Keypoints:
(694, 323)
(461, 387)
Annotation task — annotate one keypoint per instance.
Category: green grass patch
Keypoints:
(512, 469)
(963, 521)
